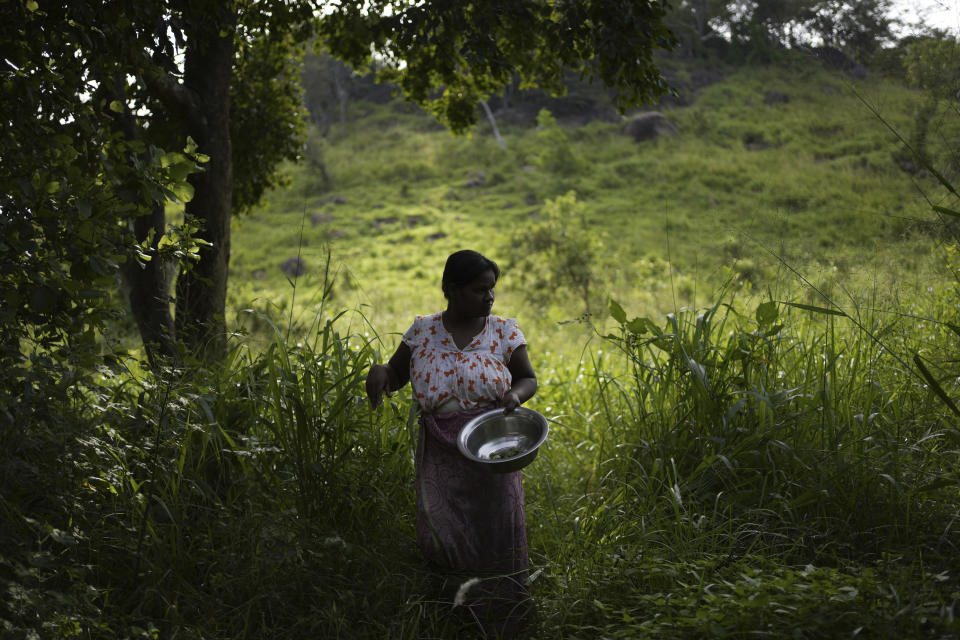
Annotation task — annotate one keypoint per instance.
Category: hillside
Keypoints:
(770, 166)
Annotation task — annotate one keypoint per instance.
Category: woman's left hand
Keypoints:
(510, 401)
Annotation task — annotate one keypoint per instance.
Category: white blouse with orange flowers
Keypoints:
(476, 376)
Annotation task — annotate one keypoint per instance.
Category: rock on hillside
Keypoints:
(648, 126)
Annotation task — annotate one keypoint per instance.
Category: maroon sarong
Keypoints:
(470, 519)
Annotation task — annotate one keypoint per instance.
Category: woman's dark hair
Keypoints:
(463, 267)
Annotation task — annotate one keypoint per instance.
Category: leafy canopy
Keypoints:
(447, 55)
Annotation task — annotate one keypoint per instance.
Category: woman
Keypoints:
(462, 362)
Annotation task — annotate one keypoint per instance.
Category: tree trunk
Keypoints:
(202, 287)
(340, 86)
(147, 284)
(493, 123)
(149, 292)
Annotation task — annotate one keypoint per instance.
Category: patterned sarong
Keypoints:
(471, 520)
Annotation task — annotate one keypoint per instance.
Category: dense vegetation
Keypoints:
(745, 336)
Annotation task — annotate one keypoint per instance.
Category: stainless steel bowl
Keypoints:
(503, 442)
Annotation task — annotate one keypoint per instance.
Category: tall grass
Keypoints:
(772, 475)
(735, 470)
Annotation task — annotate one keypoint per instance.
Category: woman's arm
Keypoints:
(387, 378)
(524, 380)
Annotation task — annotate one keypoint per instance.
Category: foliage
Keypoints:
(931, 64)
(447, 56)
(225, 74)
(328, 86)
(554, 153)
(177, 498)
(70, 182)
(775, 20)
(822, 191)
(556, 253)
(102, 91)
(858, 29)
(763, 434)
(763, 473)
(266, 98)
(695, 23)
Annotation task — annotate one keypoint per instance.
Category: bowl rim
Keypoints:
(462, 436)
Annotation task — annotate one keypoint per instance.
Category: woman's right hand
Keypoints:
(378, 383)
(390, 377)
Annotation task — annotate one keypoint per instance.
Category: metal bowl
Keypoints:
(503, 442)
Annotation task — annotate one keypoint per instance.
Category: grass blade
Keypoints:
(934, 385)
(945, 211)
(815, 309)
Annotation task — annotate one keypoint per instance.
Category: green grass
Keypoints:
(722, 463)
(823, 193)
(715, 473)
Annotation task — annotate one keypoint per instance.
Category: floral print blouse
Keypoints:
(476, 376)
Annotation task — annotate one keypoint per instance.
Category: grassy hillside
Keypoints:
(811, 181)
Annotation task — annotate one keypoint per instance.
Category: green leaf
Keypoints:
(937, 484)
(180, 171)
(116, 106)
(87, 232)
(766, 313)
(183, 191)
(102, 266)
(32, 6)
(59, 536)
(772, 331)
(946, 183)
(617, 312)
(171, 158)
(946, 212)
(934, 385)
(639, 326)
(810, 307)
(84, 209)
(699, 373)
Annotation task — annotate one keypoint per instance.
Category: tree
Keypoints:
(931, 65)
(326, 87)
(858, 29)
(559, 252)
(199, 102)
(70, 179)
(766, 24)
(139, 80)
(695, 23)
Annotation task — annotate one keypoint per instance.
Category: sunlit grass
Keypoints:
(820, 190)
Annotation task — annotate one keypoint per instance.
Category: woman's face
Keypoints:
(476, 297)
